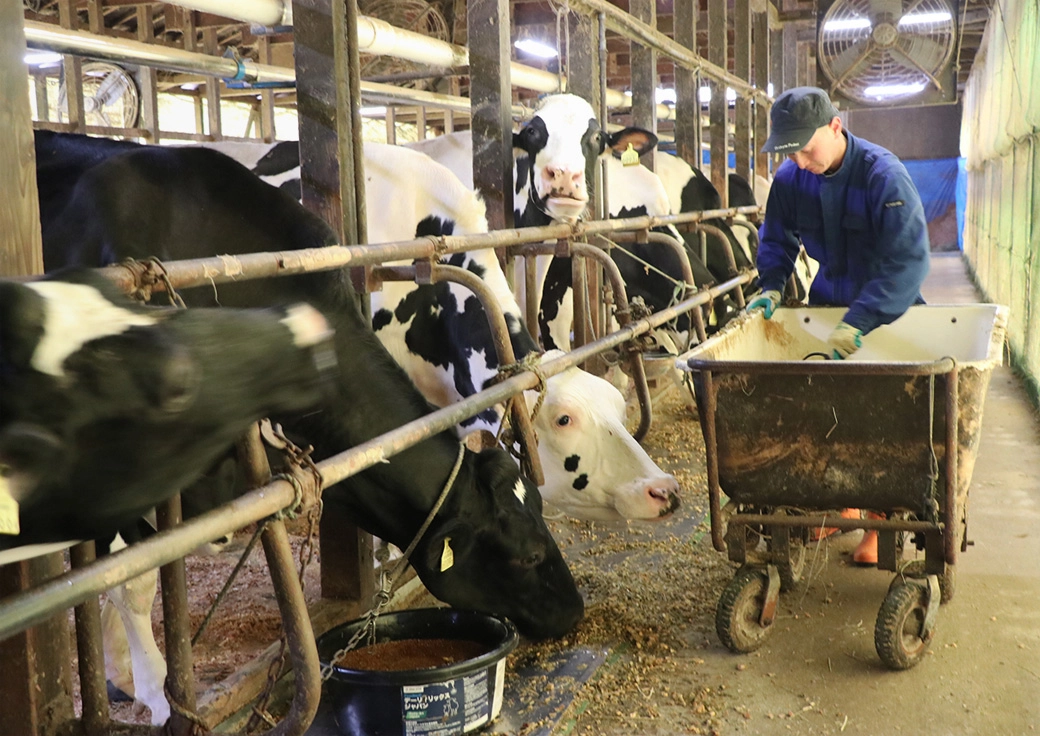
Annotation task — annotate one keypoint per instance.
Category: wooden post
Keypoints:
(687, 96)
(644, 75)
(35, 677)
(760, 36)
(491, 115)
(327, 105)
(148, 78)
(210, 46)
(742, 68)
(718, 108)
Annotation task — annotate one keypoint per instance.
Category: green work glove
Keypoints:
(767, 300)
(845, 340)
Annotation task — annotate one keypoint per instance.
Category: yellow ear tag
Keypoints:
(8, 510)
(447, 556)
(630, 157)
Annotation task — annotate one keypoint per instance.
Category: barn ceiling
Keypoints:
(445, 19)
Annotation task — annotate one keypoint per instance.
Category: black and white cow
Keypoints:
(555, 154)
(108, 407)
(176, 203)
(594, 469)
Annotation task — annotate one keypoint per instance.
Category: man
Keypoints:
(851, 203)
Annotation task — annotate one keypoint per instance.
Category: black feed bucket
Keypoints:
(379, 698)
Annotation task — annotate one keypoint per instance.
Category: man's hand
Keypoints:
(767, 300)
(845, 340)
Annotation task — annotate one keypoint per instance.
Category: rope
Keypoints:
(388, 580)
(531, 362)
(198, 726)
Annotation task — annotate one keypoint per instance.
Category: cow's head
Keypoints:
(488, 549)
(554, 157)
(594, 469)
(128, 404)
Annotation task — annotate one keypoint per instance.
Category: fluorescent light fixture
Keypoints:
(536, 48)
(705, 94)
(893, 90)
(664, 95)
(941, 16)
(41, 58)
(769, 89)
(191, 86)
(373, 111)
(731, 94)
(847, 24)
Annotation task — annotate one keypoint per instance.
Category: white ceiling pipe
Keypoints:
(264, 12)
(48, 37)
(375, 37)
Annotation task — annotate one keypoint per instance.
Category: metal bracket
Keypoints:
(772, 597)
(934, 594)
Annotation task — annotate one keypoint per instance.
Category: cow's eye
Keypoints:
(563, 420)
(533, 136)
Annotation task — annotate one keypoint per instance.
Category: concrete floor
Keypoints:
(819, 667)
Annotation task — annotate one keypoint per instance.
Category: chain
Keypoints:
(387, 580)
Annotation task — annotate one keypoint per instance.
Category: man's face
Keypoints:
(823, 152)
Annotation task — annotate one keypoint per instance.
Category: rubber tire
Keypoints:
(915, 569)
(739, 610)
(792, 570)
(897, 633)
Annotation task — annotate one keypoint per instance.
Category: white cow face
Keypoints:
(594, 469)
(555, 152)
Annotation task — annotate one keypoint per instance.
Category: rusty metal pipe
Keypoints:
(624, 316)
(821, 520)
(23, 610)
(299, 636)
(952, 479)
(91, 654)
(503, 345)
(180, 680)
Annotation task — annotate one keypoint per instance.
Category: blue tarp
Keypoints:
(936, 180)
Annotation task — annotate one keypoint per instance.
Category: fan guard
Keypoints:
(110, 96)
(881, 52)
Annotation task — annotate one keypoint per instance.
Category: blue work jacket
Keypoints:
(864, 224)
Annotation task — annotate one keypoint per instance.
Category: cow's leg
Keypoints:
(134, 600)
(117, 651)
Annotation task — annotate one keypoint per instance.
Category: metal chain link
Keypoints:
(388, 580)
(533, 363)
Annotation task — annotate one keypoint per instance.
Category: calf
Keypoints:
(177, 203)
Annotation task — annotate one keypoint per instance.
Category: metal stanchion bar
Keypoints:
(24, 610)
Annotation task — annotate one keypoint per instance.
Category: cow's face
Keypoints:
(492, 552)
(594, 469)
(130, 404)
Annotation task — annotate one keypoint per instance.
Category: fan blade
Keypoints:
(898, 52)
(851, 59)
(928, 54)
(891, 10)
(111, 88)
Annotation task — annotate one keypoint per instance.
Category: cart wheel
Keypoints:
(738, 613)
(897, 633)
(915, 569)
(793, 567)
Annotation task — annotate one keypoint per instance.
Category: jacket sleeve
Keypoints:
(902, 250)
(778, 244)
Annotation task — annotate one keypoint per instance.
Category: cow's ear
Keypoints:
(448, 543)
(642, 140)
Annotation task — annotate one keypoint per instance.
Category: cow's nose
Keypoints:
(564, 180)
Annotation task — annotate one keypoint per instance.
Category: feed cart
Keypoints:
(792, 436)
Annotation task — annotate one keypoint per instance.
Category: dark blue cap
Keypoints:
(795, 116)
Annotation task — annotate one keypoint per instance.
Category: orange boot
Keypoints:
(816, 533)
(866, 552)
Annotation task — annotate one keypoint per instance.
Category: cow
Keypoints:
(554, 154)
(594, 469)
(112, 202)
(108, 408)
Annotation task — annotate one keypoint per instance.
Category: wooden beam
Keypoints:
(718, 108)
